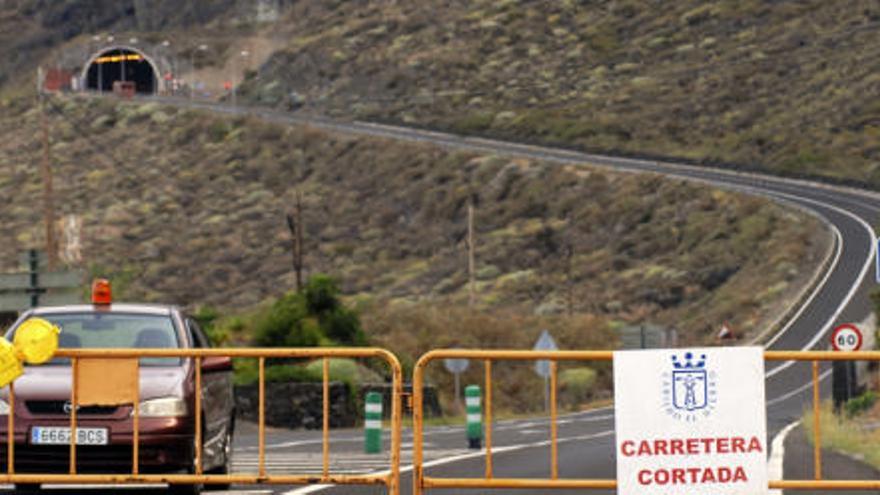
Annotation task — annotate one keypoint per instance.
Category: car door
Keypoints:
(217, 397)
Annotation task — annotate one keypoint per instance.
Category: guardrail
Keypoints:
(421, 481)
(390, 480)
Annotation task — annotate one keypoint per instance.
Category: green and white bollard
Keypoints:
(373, 423)
(474, 412)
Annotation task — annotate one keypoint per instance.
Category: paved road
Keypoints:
(586, 448)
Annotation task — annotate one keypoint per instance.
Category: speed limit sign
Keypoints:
(846, 337)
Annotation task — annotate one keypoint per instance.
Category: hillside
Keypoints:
(188, 207)
(791, 87)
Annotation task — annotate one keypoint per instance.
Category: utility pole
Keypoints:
(295, 224)
(569, 282)
(48, 195)
(472, 294)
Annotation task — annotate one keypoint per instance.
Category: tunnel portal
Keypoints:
(121, 64)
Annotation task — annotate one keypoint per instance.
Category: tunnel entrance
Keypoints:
(124, 65)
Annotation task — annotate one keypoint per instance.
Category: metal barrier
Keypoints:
(422, 482)
(390, 480)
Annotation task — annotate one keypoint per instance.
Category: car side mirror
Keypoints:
(215, 364)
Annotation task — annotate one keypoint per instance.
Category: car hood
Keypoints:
(53, 382)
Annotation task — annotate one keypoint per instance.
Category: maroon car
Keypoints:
(104, 433)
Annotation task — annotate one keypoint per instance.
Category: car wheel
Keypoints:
(27, 487)
(226, 467)
(185, 489)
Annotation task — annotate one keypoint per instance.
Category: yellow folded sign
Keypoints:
(35, 342)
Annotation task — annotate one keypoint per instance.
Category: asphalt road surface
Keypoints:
(586, 447)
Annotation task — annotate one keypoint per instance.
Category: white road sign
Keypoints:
(690, 421)
(545, 343)
(456, 366)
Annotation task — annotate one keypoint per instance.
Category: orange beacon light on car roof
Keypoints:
(101, 292)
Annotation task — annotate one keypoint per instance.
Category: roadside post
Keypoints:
(542, 367)
(690, 421)
(373, 423)
(844, 382)
(474, 410)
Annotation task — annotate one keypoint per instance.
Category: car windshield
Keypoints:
(116, 331)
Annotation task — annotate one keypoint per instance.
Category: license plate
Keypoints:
(59, 435)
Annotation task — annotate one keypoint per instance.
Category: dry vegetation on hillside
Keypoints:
(792, 87)
(189, 208)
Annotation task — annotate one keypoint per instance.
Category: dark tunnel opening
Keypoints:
(121, 65)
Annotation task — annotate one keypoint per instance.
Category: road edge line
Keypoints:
(777, 456)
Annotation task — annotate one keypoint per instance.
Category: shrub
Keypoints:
(247, 372)
(314, 317)
(860, 404)
(322, 294)
(342, 325)
(287, 324)
(575, 386)
(207, 318)
(344, 370)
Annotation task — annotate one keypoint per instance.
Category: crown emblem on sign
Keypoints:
(689, 362)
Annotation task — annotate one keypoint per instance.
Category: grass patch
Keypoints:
(850, 432)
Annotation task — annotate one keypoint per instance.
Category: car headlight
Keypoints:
(163, 408)
(4, 407)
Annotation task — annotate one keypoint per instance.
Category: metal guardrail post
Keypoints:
(554, 426)
(10, 432)
(489, 465)
(73, 410)
(817, 436)
(198, 415)
(325, 427)
(261, 455)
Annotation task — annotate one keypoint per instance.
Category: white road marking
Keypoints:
(463, 457)
(838, 250)
(777, 456)
(797, 391)
(869, 261)
(531, 432)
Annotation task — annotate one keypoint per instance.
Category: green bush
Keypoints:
(247, 372)
(287, 324)
(344, 370)
(207, 317)
(343, 326)
(575, 385)
(860, 404)
(314, 317)
(322, 294)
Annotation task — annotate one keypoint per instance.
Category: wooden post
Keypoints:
(48, 195)
(569, 282)
(472, 291)
(295, 224)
